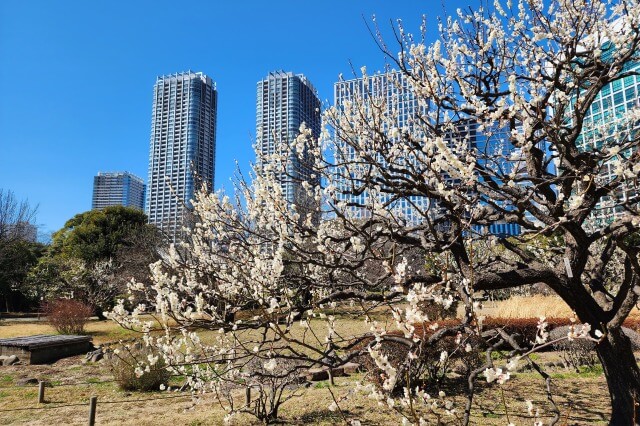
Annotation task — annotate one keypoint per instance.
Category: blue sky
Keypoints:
(76, 78)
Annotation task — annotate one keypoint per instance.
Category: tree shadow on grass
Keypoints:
(320, 415)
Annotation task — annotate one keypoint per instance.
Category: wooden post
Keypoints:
(247, 395)
(93, 402)
(41, 384)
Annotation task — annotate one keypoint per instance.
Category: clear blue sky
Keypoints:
(76, 78)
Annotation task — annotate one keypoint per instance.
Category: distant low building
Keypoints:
(25, 231)
(118, 189)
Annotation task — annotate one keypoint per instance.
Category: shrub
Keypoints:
(397, 355)
(127, 364)
(428, 366)
(267, 387)
(67, 316)
(576, 354)
(526, 328)
(464, 352)
(437, 312)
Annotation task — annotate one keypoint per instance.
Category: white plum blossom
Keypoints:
(497, 375)
(542, 335)
(271, 365)
(513, 363)
(401, 270)
(578, 331)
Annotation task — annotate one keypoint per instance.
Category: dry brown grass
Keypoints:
(101, 331)
(589, 403)
(528, 307)
(533, 307)
(109, 331)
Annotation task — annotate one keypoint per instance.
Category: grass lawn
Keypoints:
(582, 398)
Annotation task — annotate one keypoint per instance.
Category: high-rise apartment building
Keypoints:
(284, 102)
(183, 147)
(117, 189)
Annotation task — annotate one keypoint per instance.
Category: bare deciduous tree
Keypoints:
(17, 235)
(16, 218)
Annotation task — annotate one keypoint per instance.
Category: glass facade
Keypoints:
(406, 113)
(117, 189)
(402, 109)
(605, 121)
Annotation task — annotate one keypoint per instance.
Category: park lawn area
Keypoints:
(582, 399)
(109, 331)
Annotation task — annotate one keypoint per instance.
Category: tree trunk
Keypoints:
(623, 377)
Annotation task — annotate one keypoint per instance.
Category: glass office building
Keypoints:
(117, 189)
(607, 119)
(402, 108)
(182, 147)
(404, 112)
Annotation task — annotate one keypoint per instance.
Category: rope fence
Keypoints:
(120, 401)
(50, 384)
(50, 407)
(92, 404)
